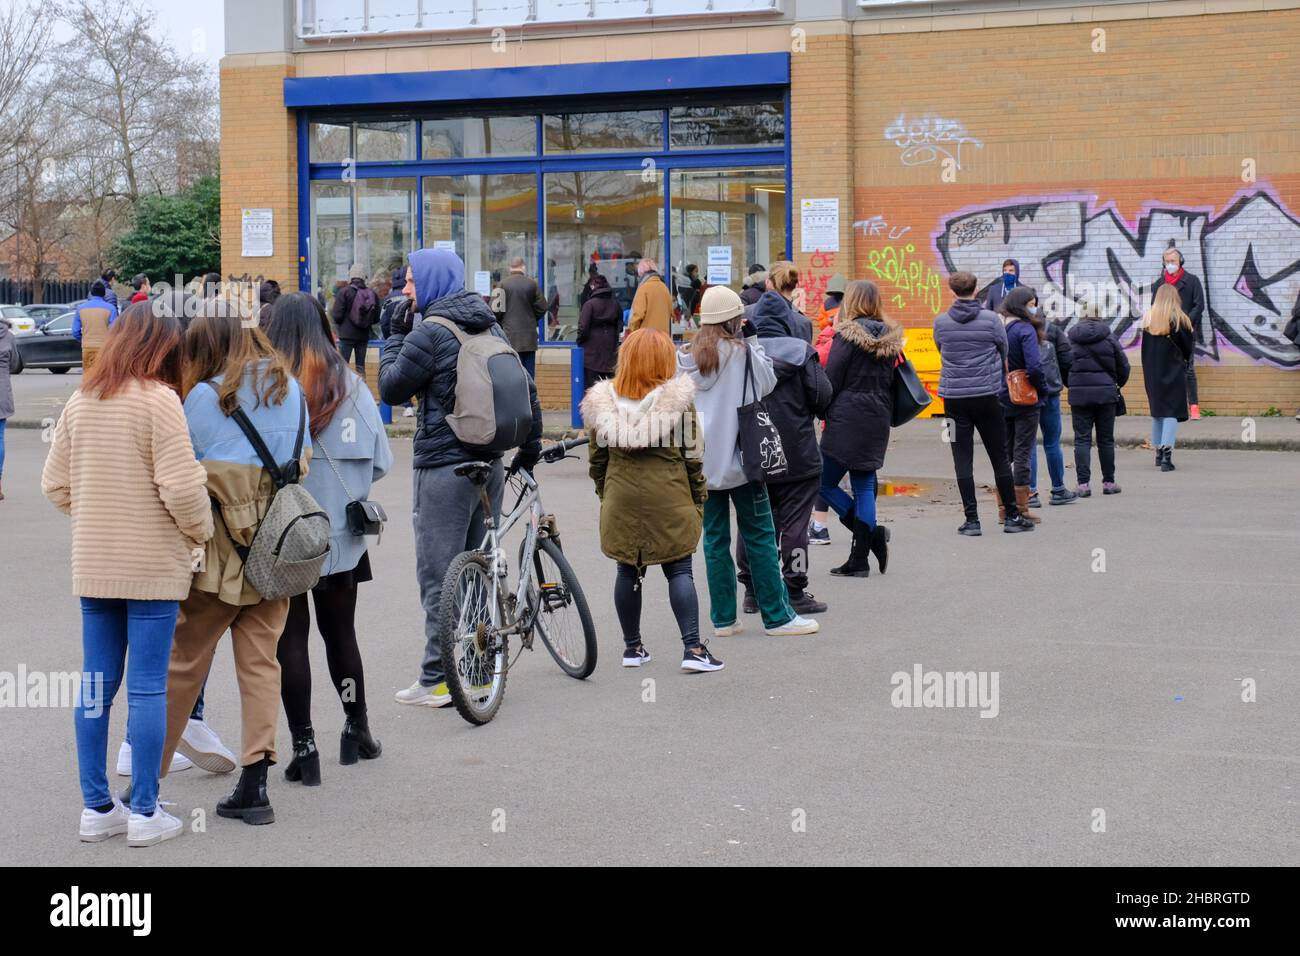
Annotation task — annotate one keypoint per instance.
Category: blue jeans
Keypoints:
(529, 361)
(2, 446)
(863, 502)
(1163, 431)
(109, 628)
(1049, 420)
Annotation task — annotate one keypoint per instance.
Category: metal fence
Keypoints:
(23, 292)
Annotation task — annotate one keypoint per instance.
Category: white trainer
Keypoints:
(149, 831)
(733, 628)
(436, 696)
(179, 761)
(794, 627)
(201, 744)
(97, 827)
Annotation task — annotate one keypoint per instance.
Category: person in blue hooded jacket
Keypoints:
(1025, 332)
(420, 359)
(96, 309)
(998, 291)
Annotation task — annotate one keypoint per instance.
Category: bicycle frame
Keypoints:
(530, 504)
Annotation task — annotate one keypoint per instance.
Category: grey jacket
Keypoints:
(717, 397)
(972, 345)
(524, 305)
(8, 358)
(354, 448)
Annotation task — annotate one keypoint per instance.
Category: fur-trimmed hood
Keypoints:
(654, 421)
(882, 339)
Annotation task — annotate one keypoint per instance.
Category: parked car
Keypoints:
(51, 346)
(45, 311)
(17, 318)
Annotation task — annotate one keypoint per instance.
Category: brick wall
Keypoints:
(259, 163)
(1081, 149)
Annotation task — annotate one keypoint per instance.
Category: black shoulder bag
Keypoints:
(762, 456)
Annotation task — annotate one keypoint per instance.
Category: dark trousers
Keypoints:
(1022, 435)
(1085, 419)
(336, 609)
(792, 505)
(590, 377)
(681, 596)
(1191, 381)
(529, 362)
(981, 414)
(350, 349)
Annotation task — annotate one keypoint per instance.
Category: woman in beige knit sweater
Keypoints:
(123, 467)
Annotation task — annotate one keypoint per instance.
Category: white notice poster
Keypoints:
(483, 283)
(719, 256)
(448, 244)
(819, 225)
(256, 233)
(719, 275)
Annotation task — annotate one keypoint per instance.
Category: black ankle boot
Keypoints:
(305, 765)
(357, 741)
(249, 802)
(879, 545)
(1167, 463)
(857, 566)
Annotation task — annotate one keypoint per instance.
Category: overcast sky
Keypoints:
(178, 19)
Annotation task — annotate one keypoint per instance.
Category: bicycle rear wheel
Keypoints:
(563, 618)
(475, 655)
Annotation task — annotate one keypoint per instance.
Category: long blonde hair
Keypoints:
(1166, 314)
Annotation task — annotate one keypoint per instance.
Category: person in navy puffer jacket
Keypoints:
(1025, 330)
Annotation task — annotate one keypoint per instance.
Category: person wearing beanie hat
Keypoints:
(717, 360)
(355, 310)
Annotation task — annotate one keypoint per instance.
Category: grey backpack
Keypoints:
(494, 409)
(290, 544)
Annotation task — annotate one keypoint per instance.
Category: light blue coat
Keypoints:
(356, 443)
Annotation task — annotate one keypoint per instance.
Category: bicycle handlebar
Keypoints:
(557, 451)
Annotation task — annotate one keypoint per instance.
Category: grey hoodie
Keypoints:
(972, 345)
(8, 358)
(717, 397)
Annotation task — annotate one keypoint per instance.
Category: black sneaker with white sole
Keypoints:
(822, 535)
(636, 656)
(698, 658)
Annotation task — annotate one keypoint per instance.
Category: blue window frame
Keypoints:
(409, 97)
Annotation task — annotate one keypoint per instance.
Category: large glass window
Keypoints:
(385, 142)
(622, 131)
(330, 142)
(369, 224)
(476, 136)
(487, 220)
(724, 220)
(727, 127)
(331, 235)
(601, 221)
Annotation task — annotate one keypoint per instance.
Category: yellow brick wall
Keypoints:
(259, 164)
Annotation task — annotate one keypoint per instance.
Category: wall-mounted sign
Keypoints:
(256, 233)
(819, 221)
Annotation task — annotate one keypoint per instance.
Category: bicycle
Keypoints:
(478, 612)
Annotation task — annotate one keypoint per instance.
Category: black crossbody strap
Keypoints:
(749, 374)
(259, 446)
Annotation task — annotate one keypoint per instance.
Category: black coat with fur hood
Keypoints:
(647, 460)
(861, 369)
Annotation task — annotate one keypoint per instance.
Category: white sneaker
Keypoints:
(733, 628)
(795, 626)
(409, 412)
(97, 827)
(148, 831)
(436, 696)
(179, 761)
(201, 744)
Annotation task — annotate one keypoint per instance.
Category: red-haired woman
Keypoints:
(123, 467)
(646, 461)
(350, 451)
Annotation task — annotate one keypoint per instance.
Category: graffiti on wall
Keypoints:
(905, 281)
(877, 226)
(924, 139)
(1248, 258)
(821, 266)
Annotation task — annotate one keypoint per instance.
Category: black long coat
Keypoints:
(861, 369)
(1164, 372)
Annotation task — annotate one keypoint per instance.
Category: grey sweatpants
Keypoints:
(448, 519)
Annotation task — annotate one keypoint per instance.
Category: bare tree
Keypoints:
(21, 48)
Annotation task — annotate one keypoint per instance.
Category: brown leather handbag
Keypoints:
(1019, 389)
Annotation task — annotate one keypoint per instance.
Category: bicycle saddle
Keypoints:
(475, 471)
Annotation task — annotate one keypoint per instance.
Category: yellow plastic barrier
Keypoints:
(924, 356)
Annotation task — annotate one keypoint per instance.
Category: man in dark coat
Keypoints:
(1009, 280)
(1192, 296)
(1097, 373)
(420, 359)
(355, 310)
(802, 392)
(599, 324)
(523, 305)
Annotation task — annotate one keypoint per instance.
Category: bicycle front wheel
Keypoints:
(563, 619)
(475, 655)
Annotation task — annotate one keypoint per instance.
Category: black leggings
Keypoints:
(335, 619)
(1022, 430)
(681, 595)
(983, 414)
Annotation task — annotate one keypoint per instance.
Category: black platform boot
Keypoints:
(357, 741)
(249, 802)
(880, 546)
(305, 765)
(857, 566)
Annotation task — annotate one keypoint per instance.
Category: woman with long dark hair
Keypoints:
(350, 451)
(122, 465)
(1025, 331)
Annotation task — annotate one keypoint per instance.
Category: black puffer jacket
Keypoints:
(861, 370)
(1100, 368)
(802, 391)
(774, 315)
(599, 324)
(423, 362)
